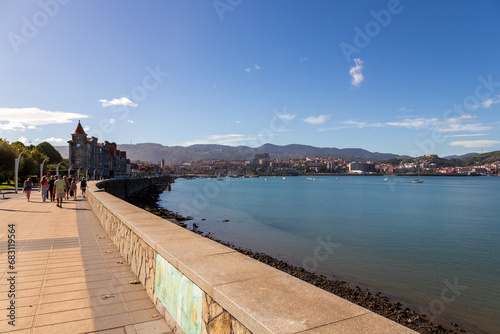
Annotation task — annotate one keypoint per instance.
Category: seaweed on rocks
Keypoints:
(147, 199)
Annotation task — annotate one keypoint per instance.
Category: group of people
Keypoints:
(57, 188)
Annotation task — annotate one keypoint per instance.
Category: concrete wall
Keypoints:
(201, 286)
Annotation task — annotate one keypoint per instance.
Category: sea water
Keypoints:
(434, 245)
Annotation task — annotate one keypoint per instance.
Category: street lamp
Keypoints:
(95, 170)
(41, 169)
(16, 168)
(57, 168)
(69, 169)
(78, 173)
(87, 173)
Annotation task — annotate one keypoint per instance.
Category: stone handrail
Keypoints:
(201, 286)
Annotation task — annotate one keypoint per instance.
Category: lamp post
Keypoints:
(57, 168)
(87, 173)
(95, 170)
(16, 168)
(69, 169)
(78, 173)
(41, 169)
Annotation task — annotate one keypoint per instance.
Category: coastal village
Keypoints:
(262, 164)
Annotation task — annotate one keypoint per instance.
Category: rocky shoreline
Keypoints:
(147, 199)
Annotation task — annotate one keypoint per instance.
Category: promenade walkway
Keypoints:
(69, 277)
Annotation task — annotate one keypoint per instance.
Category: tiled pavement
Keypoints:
(69, 277)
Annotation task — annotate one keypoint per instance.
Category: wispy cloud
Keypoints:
(18, 119)
(55, 140)
(456, 127)
(287, 117)
(130, 121)
(404, 109)
(415, 123)
(468, 117)
(315, 120)
(230, 139)
(355, 72)
(476, 143)
(467, 135)
(122, 101)
(487, 103)
(112, 121)
(237, 122)
(303, 59)
(86, 128)
(255, 67)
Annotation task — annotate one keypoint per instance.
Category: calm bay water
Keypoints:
(434, 245)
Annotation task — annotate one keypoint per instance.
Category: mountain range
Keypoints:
(174, 154)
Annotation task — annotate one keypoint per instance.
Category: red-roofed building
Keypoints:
(93, 158)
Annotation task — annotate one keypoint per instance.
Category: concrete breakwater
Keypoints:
(201, 286)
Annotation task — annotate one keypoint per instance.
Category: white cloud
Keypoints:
(315, 120)
(237, 122)
(257, 67)
(123, 101)
(287, 117)
(468, 117)
(416, 123)
(31, 127)
(487, 103)
(18, 119)
(112, 121)
(86, 128)
(248, 69)
(454, 127)
(467, 135)
(403, 109)
(475, 143)
(355, 72)
(55, 140)
(230, 139)
(24, 140)
(130, 121)
(303, 59)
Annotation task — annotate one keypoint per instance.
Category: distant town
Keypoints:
(263, 164)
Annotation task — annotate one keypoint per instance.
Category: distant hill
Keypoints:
(173, 154)
(460, 156)
(481, 159)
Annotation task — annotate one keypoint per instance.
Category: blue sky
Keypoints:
(405, 77)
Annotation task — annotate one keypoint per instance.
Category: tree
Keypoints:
(8, 155)
(51, 153)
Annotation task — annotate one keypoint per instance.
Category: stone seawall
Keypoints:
(124, 187)
(201, 286)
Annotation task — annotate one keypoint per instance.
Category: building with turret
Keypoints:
(93, 158)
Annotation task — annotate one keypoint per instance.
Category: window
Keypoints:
(77, 145)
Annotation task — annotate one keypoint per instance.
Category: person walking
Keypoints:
(66, 189)
(44, 188)
(83, 186)
(51, 189)
(74, 188)
(28, 186)
(60, 188)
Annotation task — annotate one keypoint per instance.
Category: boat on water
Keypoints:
(417, 180)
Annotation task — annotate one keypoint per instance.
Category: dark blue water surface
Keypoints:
(434, 245)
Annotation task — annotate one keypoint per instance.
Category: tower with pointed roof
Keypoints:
(78, 156)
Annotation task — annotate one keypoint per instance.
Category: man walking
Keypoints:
(60, 187)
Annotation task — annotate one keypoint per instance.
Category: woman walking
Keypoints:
(28, 186)
(43, 186)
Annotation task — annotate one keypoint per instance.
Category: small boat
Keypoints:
(284, 178)
(386, 179)
(417, 180)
